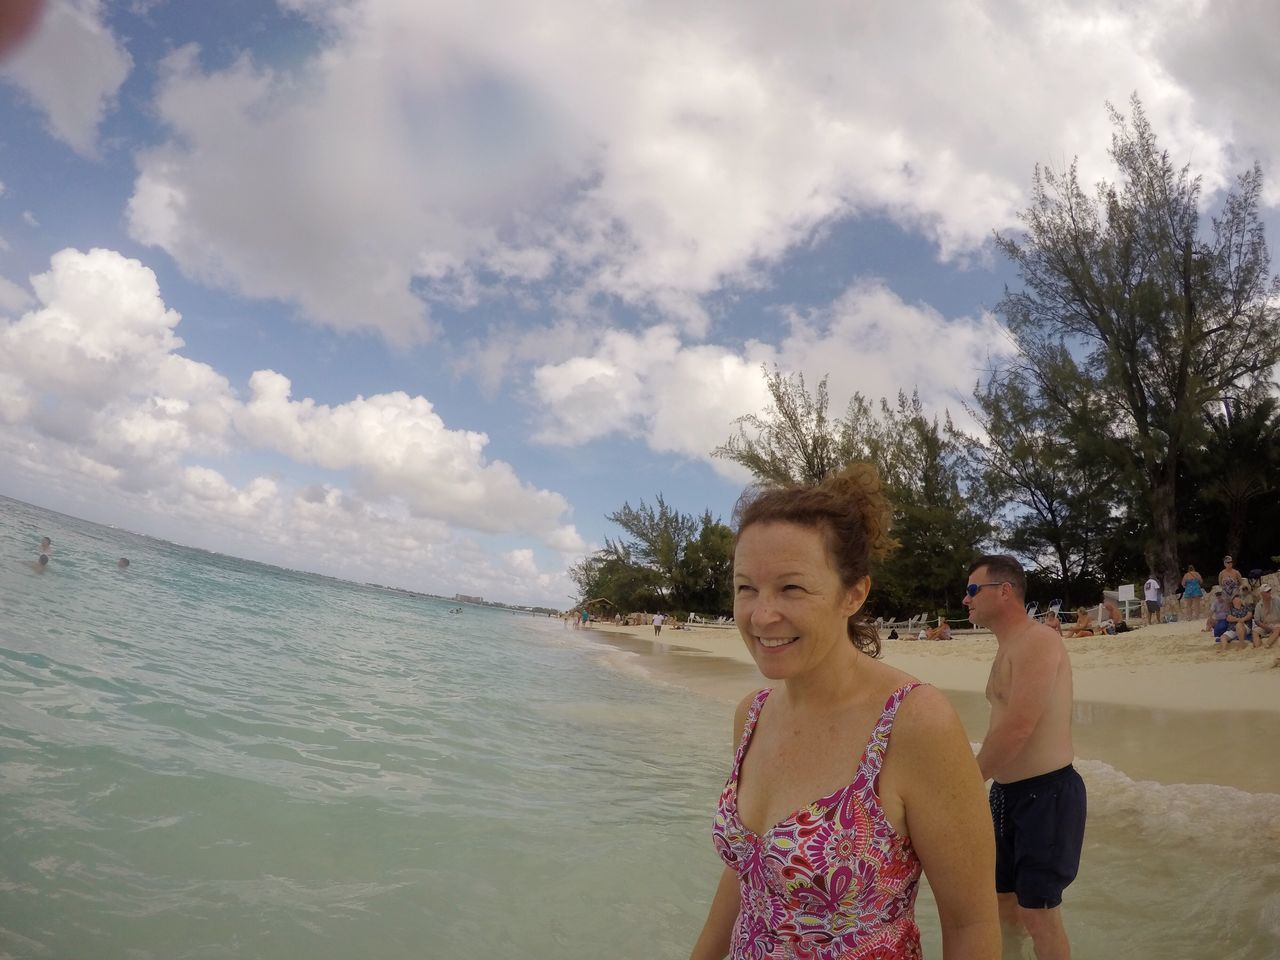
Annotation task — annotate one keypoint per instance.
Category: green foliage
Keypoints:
(1133, 320)
(667, 561)
(1055, 503)
(920, 463)
(794, 442)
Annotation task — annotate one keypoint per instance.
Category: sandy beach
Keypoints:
(1170, 666)
(1158, 703)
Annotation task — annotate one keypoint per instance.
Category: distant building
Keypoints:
(463, 598)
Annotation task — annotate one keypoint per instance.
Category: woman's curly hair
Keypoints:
(850, 509)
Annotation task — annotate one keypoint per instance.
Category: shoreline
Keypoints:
(1170, 666)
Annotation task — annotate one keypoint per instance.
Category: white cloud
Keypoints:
(1226, 53)
(397, 445)
(71, 68)
(684, 398)
(94, 367)
(29, 219)
(12, 297)
(95, 397)
(649, 152)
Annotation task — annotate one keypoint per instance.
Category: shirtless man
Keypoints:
(1037, 797)
(1114, 616)
(1083, 627)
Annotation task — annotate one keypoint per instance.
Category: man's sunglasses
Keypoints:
(973, 588)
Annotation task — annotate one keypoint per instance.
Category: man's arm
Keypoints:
(1032, 669)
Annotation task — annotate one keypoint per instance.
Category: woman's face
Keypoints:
(790, 606)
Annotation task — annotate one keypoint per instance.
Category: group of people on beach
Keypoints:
(1242, 610)
(899, 792)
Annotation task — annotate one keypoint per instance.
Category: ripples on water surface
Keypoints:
(205, 757)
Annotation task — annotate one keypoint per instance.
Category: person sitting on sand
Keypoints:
(1218, 607)
(941, 632)
(837, 876)
(1192, 593)
(1115, 622)
(1266, 618)
(1083, 627)
(1239, 623)
(1053, 621)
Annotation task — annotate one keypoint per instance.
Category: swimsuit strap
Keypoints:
(879, 742)
(748, 728)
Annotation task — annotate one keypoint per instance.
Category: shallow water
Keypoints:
(205, 757)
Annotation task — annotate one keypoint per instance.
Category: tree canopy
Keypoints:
(666, 560)
(1134, 319)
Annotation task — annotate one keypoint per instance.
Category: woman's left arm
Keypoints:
(949, 823)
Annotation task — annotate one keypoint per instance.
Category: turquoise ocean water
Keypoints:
(205, 757)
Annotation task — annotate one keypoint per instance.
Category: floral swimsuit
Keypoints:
(833, 881)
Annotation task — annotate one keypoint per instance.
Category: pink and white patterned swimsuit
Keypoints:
(833, 881)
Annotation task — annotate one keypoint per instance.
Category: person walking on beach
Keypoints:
(1037, 798)
(1151, 591)
(897, 786)
(658, 621)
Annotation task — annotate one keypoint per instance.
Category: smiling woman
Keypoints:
(836, 877)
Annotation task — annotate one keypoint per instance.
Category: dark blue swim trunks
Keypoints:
(1039, 824)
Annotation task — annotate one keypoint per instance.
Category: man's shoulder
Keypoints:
(1036, 639)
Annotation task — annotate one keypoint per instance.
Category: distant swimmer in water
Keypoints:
(46, 547)
(123, 563)
(39, 566)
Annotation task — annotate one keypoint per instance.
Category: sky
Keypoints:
(417, 292)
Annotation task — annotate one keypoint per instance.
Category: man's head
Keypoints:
(44, 560)
(997, 586)
(45, 544)
(1226, 561)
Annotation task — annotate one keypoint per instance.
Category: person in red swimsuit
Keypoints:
(896, 783)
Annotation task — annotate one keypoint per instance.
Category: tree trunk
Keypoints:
(1064, 568)
(1237, 513)
(1164, 528)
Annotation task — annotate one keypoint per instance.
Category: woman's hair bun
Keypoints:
(861, 483)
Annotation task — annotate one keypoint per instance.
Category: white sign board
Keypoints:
(1126, 591)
